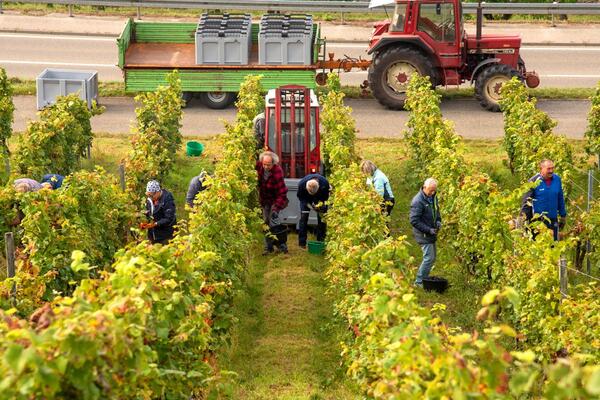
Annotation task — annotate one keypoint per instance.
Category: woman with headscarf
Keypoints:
(160, 210)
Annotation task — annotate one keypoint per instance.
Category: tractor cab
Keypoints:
(292, 132)
(292, 129)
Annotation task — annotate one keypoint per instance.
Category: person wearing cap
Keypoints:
(197, 184)
(54, 180)
(160, 210)
(24, 185)
(313, 192)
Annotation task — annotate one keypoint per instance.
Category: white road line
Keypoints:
(569, 76)
(573, 48)
(58, 37)
(57, 63)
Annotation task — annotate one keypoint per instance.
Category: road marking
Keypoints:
(570, 76)
(573, 48)
(57, 37)
(57, 63)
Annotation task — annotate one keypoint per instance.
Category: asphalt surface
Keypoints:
(372, 120)
(25, 55)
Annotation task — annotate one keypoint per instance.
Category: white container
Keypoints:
(52, 83)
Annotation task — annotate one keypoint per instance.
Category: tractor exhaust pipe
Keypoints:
(479, 23)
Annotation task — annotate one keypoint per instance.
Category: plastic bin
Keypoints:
(194, 149)
(435, 283)
(285, 40)
(52, 83)
(284, 49)
(224, 39)
(315, 247)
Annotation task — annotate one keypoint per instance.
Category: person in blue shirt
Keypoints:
(54, 180)
(380, 183)
(546, 201)
(313, 192)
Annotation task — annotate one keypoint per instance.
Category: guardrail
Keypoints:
(325, 5)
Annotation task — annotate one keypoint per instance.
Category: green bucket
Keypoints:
(315, 247)
(194, 149)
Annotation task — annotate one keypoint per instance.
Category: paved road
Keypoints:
(26, 55)
(372, 120)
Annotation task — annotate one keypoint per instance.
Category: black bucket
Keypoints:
(436, 283)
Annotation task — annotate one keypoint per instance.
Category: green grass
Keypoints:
(351, 18)
(26, 87)
(284, 345)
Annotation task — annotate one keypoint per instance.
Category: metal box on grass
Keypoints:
(52, 83)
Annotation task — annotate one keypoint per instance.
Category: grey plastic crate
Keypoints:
(285, 39)
(277, 49)
(224, 39)
(52, 83)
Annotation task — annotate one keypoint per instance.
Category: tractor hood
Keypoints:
(492, 41)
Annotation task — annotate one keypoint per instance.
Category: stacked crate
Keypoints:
(285, 39)
(223, 39)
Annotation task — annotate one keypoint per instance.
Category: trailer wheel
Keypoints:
(390, 72)
(217, 100)
(186, 97)
(489, 82)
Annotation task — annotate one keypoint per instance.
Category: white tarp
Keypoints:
(379, 3)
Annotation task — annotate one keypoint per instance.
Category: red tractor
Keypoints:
(428, 37)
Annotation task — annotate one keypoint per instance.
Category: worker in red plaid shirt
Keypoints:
(272, 194)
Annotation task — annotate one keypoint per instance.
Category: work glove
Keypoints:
(275, 219)
(561, 222)
(433, 231)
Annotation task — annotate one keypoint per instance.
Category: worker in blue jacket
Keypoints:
(546, 201)
(313, 193)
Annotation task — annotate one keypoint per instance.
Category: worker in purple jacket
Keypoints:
(546, 201)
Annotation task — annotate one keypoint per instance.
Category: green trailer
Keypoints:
(148, 51)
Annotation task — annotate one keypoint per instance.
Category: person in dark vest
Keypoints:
(426, 222)
(313, 193)
(160, 211)
(54, 180)
(546, 201)
(197, 184)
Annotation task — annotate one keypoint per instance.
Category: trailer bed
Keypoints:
(183, 56)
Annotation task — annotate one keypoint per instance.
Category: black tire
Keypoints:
(388, 96)
(489, 82)
(218, 100)
(186, 97)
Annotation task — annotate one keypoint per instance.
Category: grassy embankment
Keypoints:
(26, 87)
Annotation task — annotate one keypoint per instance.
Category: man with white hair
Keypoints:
(160, 211)
(426, 222)
(313, 192)
(272, 196)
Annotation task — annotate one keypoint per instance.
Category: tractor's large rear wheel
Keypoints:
(390, 72)
(489, 82)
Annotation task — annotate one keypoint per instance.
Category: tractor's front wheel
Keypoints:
(390, 73)
(488, 85)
